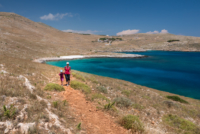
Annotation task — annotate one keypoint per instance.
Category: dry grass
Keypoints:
(149, 104)
(13, 90)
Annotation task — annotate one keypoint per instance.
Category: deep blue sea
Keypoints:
(170, 71)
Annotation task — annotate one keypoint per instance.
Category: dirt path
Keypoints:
(95, 122)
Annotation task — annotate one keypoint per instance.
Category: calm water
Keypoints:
(175, 72)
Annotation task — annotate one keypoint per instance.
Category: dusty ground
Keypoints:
(93, 120)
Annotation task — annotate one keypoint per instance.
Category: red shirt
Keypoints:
(67, 70)
(61, 75)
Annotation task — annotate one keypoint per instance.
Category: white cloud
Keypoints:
(55, 17)
(83, 32)
(164, 31)
(154, 32)
(126, 32)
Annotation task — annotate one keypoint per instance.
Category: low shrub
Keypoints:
(54, 87)
(180, 123)
(48, 97)
(172, 40)
(126, 92)
(122, 101)
(79, 126)
(99, 96)
(45, 117)
(9, 112)
(102, 89)
(55, 104)
(170, 104)
(109, 106)
(78, 76)
(92, 79)
(132, 122)
(65, 102)
(33, 96)
(80, 86)
(176, 98)
(43, 103)
(137, 106)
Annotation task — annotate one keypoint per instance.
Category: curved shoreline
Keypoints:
(72, 57)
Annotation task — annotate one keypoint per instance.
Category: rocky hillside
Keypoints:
(160, 42)
(21, 37)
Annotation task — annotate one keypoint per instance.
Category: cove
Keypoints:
(170, 71)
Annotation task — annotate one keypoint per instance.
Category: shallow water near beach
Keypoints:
(170, 71)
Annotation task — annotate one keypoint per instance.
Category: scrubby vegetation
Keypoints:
(12, 87)
(78, 76)
(99, 96)
(176, 98)
(80, 86)
(54, 87)
(9, 112)
(132, 122)
(172, 40)
(138, 106)
(122, 102)
(79, 126)
(65, 103)
(181, 124)
(109, 106)
(126, 92)
(102, 89)
(55, 104)
(111, 39)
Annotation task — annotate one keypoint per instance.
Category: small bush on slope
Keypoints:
(99, 96)
(55, 87)
(176, 98)
(126, 92)
(138, 106)
(80, 86)
(122, 101)
(79, 126)
(109, 106)
(78, 76)
(172, 40)
(132, 122)
(102, 89)
(9, 112)
(181, 124)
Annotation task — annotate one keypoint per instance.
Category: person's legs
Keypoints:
(62, 81)
(68, 79)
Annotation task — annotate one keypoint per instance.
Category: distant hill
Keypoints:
(24, 38)
(161, 42)
(21, 37)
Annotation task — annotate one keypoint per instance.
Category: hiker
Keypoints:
(67, 73)
(61, 77)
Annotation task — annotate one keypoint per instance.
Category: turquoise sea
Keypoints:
(170, 71)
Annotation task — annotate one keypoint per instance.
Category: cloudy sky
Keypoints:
(112, 17)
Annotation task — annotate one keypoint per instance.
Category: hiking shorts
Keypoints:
(67, 77)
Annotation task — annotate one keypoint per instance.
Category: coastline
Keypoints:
(72, 57)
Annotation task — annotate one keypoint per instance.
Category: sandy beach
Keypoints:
(71, 57)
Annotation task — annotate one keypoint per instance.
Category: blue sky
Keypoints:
(111, 17)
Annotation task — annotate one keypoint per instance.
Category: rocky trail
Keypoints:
(93, 121)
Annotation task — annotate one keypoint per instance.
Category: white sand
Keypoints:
(70, 57)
